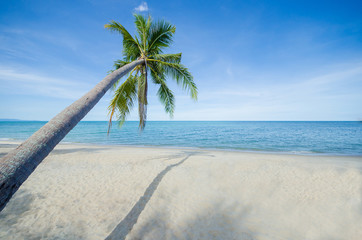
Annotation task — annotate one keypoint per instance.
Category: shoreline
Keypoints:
(291, 153)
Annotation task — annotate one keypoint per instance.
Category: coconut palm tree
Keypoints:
(18, 164)
(152, 38)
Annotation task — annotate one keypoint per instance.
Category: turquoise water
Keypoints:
(343, 138)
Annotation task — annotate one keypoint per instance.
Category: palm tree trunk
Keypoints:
(17, 165)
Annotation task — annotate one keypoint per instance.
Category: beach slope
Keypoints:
(115, 192)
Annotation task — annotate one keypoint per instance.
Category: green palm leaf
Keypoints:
(152, 38)
(143, 26)
(123, 99)
(131, 48)
(119, 63)
(170, 58)
(181, 74)
(165, 95)
(160, 37)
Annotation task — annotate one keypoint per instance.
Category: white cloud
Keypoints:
(34, 84)
(29, 36)
(142, 8)
(332, 93)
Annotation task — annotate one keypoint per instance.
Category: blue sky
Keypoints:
(251, 60)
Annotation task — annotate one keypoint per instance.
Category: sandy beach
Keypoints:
(116, 192)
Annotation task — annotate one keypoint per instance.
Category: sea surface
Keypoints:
(336, 138)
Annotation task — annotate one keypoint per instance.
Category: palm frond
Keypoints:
(131, 49)
(181, 74)
(151, 39)
(156, 72)
(165, 95)
(143, 26)
(170, 58)
(123, 100)
(118, 64)
(161, 34)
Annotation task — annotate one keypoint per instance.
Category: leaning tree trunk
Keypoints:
(17, 165)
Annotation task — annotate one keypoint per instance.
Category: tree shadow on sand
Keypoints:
(56, 151)
(76, 150)
(13, 214)
(220, 221)
(20, 204)
(126, 225)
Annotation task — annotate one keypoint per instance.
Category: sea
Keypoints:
(291, 137)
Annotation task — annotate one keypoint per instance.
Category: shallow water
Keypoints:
(343, 138)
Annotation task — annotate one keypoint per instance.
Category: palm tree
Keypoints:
(152, 39)
(18, 164)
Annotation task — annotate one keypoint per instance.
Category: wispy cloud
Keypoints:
(142, 8)
(331, 93)
(35, 84)
(59, 37)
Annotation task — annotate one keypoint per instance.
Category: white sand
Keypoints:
(98, 192)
